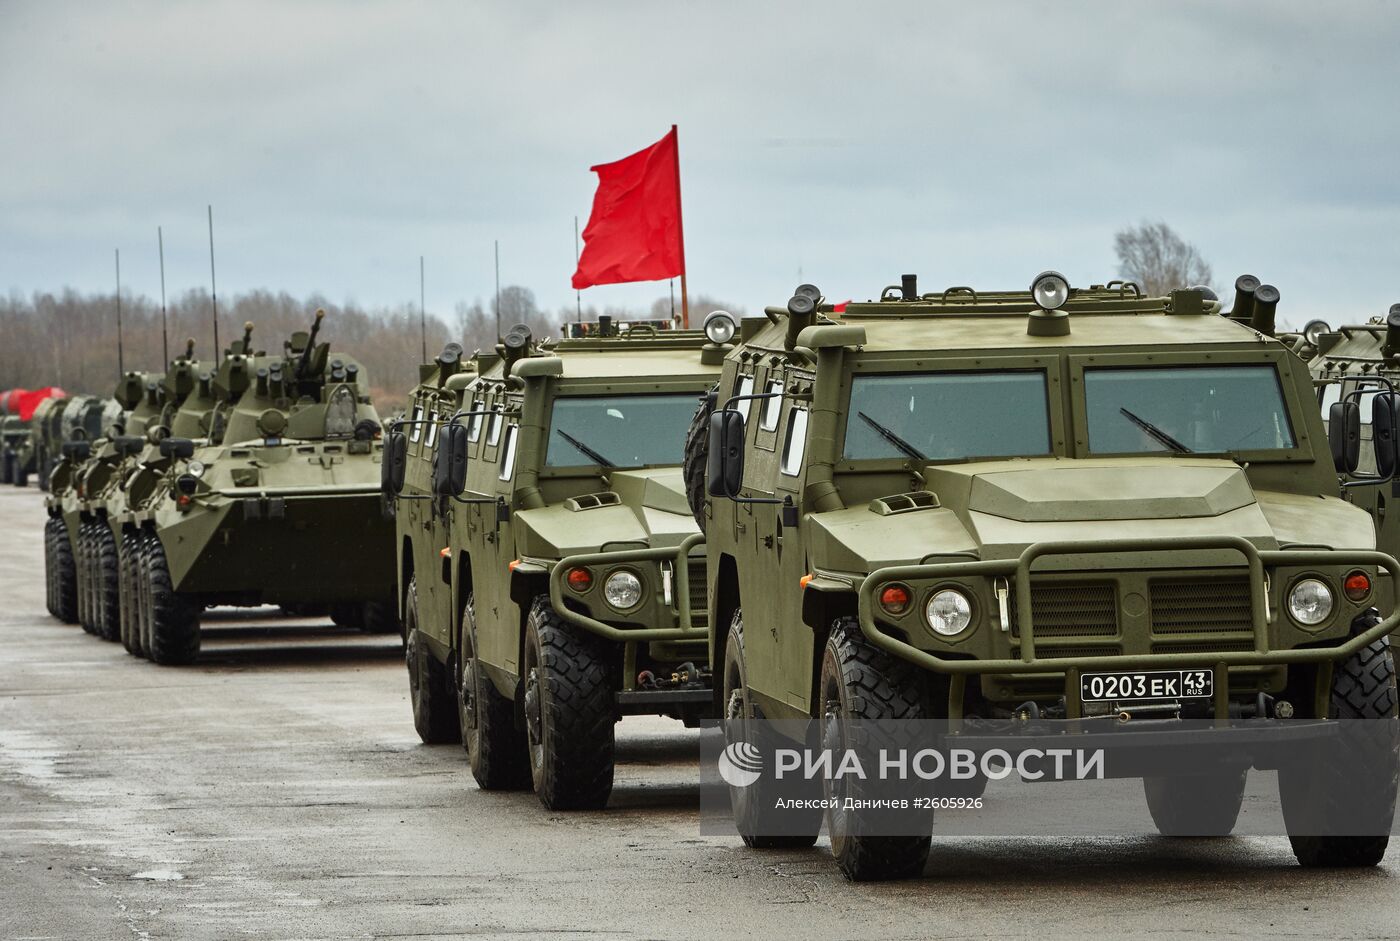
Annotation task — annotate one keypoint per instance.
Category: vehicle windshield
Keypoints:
(1207, 409)
(619, 430)
(948, 416)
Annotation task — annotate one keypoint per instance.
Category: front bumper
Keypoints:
(679, 556)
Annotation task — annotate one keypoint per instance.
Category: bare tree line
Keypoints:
(69, 338)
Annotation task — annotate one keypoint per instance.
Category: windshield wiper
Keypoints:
(1156, 434)
(588, 452)
(893, 438)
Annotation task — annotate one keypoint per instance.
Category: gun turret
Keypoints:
(189, 348)
(305, 362)
(248, 337)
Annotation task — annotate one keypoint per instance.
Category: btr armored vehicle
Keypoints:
(277, 503)
(45, 437)
(1084, 511)
(508, 477)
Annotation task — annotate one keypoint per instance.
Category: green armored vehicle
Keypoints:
(45, 438)
(1081, 511)
(507, 478)
(277, 504)
(16, 460)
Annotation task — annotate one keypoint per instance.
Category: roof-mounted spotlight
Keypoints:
(720, 327)
(1051, 291)
(1313, 331)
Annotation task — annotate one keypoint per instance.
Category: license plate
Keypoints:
(1150, 684)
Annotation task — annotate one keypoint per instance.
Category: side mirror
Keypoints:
(127, 445)
(450, 461)
(177, 448)
(393, 465)
(1344, 435)
(1385, 426)
(725, 470)
(77, 451)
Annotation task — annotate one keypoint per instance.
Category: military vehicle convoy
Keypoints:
(1026, 504)
(511, 473)
(277, 502)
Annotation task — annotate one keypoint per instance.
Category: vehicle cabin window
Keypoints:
(948, 416)
(619, 430)
(474, 423)
(794, 442)
(432, 426)
(1331, 395)
(508, 460)
(772, 408)
(493, 431)
(1206, 409)
(744, 386)
(415, 430)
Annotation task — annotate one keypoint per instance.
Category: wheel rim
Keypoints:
(534, 710)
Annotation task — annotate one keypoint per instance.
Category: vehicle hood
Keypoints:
(645, 507)
(995, 510)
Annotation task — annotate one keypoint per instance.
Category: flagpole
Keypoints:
(680, 231)
(578, 295)
(422, 310)
(498, 290)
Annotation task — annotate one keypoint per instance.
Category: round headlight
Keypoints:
(622, 590)
(195, 468)
(1310, 602)
(720, 327)
(1050, 290)
(948, 612)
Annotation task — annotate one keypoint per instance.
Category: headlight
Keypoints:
(948, 612)
(195, 469)
(1050, 290)
(719, 327)
(1310, 602)
(622, 590)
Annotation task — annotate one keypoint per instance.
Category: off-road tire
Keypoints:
(1363, 688)
(750, 803)
(146, 541)
(569, 712)
(65, 574)
(1196, 805)
(496, 748)
(434, 712)
(380, 617)
(20, 477)
(173, 616)
(871, 686)
(349, 614)
(697, 457)
(106, 582)
(6, 463)
(129, 619)
(82, 575)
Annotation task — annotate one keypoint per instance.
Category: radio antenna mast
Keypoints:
(213, 287)
(164, 335)
(422, 310)
(121, 361)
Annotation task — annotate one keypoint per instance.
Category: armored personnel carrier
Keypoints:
(277, 504)
(1073, 512)
(511, 473)
(45, 437)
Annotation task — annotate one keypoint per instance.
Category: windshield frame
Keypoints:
(1299, 422)
(950, 364)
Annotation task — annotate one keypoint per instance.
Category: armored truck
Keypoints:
(512, 472)
(1079, 509)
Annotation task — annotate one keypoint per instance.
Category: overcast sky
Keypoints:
(972, 143)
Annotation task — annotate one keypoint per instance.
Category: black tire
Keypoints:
(750, 803)
(1355, 789)
(128, 594)
(82, 575)
(173, 617)
(496, 749)
(380, 617)
(106, 582)
(697, 456)
(569, 712)
(1197, 804)
(348, 614)
(21, 473)
(142, 572)
(860, 682)
(434, 712)
(7, 461)
(65, 578)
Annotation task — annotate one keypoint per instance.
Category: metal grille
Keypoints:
(1070, 609)
(1046, 652)
(699, 596)
(1201, 606)
(1205, 646)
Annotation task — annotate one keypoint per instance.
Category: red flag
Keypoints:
(634, 233)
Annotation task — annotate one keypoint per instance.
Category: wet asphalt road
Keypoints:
(277, 790)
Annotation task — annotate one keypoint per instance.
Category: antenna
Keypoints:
(213, 287)
(578, 295)
(498, 289)
(121, 362)
(422, 310)
(164, 336)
